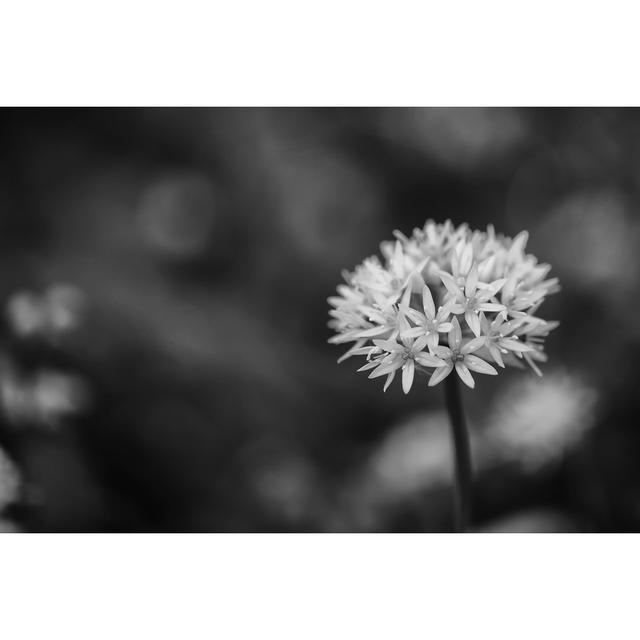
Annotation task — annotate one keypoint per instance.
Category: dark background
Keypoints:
(196, 390)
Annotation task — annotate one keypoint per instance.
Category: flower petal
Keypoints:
(414, 315)
(420, 343)
(363, 351)
(496, 285)
(510, 287)
(485, 269)
(518, 245)
(464, 374)
(455, 335)
(357, 349)
(402, 322)
(398, 258)
(369, 365)
(414, 332)
(374, 331)
(388, 345)
(444, 311)
(384, 369)
(466, 258)
(495, 354)
(514, 345)
(427, 303)
(390, 378)
(449, 282)
(440, 374)
(408, 371)
(471, 282)
(473, 321)
(533, 365)
(491, 306)
(427, 360)
(478, 364)
(473, 345)
(406, 296)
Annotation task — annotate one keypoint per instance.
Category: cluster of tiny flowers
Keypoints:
(446, 298)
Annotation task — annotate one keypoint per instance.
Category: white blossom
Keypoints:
(460, 356)
(444, 298)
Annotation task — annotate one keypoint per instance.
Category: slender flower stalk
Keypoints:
(446, 301)
(462, 452)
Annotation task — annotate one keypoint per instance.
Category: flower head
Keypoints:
(445, 298)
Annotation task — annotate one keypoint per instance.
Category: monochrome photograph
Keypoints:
(319, 320)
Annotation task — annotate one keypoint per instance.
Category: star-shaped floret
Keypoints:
(500, 339)
(384, 317)
(429, 323)
(460, 356)
(472, 297)
(401, 270)
(404, 355)
(518, 299)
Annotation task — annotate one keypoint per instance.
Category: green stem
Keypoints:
(460, 438)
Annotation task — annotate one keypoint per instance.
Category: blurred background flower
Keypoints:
(164, 364)
(542, 421)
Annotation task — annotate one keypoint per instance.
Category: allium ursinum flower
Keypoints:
(458, 296)
(499, 338)
(460, 356)
(390, 355)
(429, 323)
(472, 297)
(401, 266)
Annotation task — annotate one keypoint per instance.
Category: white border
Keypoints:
(330, 53)
(251, 52)
(319, 586)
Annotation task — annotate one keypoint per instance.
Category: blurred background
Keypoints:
(163, 285)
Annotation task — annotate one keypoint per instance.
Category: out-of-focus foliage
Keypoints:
(163, 280)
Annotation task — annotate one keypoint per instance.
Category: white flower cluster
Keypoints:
(446, 298)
